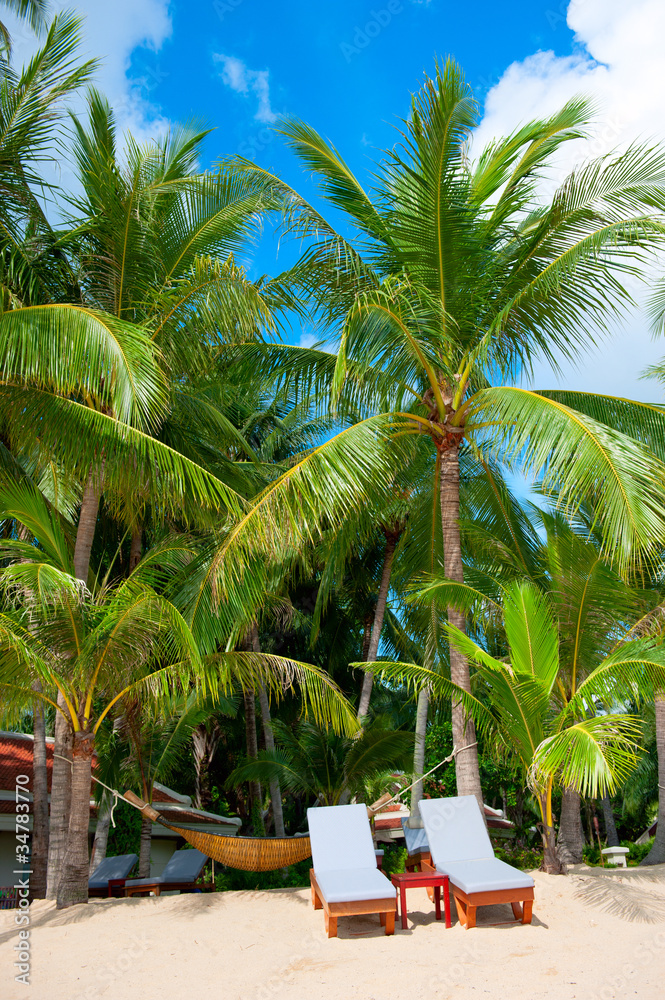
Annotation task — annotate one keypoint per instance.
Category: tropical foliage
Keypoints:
(213, 541)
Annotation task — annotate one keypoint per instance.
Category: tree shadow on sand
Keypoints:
(626, 895)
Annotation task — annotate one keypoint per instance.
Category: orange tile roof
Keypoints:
(16, 759)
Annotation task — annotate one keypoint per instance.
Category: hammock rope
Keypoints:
(251, 854)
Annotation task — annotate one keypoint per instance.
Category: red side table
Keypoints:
(423, 880)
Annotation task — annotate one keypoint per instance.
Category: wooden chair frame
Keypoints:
(385, 908)
(158, 887)
(521, 901)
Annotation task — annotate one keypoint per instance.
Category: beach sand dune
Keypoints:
(595, 936)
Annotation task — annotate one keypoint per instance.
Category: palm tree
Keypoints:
(523, 700)
(96, 650)
(151, 304)
(32, 11)
(593, 606)
(321, 765)
(455, 278)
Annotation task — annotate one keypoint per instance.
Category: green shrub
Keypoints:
(293, 877)
(524, 858)
(394, 859)
(637, 852)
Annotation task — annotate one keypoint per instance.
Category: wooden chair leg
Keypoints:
(446, 903)
(316, 902)
(528, 911)
(437, 902)
(460, 906)
(517, 911)
(470, 917)
(390, 922)
(331, 924)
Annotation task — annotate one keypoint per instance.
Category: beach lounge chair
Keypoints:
(181, 872)
(461, 848)
(109, 876)
(417, 847)
(345, 880)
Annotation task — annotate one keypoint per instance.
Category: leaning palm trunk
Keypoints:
(464, 732)
(101, 840)
(570, 842)
(61, 791)
(39, 851)
(656, 855)
(392, 537)
(73, 885)
(144, 850)
(269, 738)
(419, 757)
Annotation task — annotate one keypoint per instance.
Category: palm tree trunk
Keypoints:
(464, 731)
(39, 853)
(61, 793)
(656, 855)
(275, 789)
(66, 847)
(255, 803)
(101, 831)
(419, 757)
(205, 739)
(570, 842)
(392, 537)
(367, 635)
(144, 850)
(135, 551)
(85, 532)
(73, 886)
(610, 825)
(551, 861)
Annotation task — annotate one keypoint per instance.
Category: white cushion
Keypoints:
(415, 839)
(455, 829)
(355, 884)
(341, 839)
(485, 875)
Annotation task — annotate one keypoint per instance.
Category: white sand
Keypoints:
(594, 935)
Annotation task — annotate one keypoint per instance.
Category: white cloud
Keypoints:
(112, 33)
(618, 63)
(236, 75)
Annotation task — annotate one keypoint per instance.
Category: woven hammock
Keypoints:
(251, 854)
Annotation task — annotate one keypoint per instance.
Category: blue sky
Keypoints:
(345, 67)
(348, 68)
